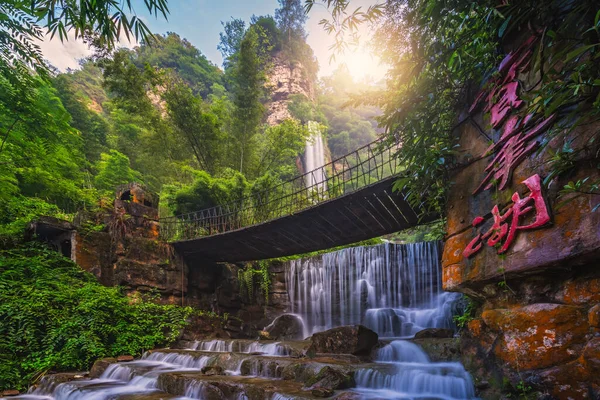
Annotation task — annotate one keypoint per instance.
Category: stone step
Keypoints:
(196, 385)
(257, 364)
(292, 348)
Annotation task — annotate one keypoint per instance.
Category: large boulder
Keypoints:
(100, 366)
(352, 339)
(538, 335)
(331, 378)
(286, 327)
(435, 333)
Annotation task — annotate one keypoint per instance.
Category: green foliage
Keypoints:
(101, 23)
(177, 56)
(93, 127)
(249, 276)
(40, 153)
(231, 39)
(277, 149)
(248, 93)
(422, 233)
(349, 126)
(114, 170)
(58, 317)
(468, 313)
(18, 211)
(207, 191)
(201, 130)
(305, 110)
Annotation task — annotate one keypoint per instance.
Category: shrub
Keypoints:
(55, 316)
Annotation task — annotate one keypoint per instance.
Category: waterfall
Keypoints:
(396, 291)
(314, 158)
(392, 289)
(412, 376)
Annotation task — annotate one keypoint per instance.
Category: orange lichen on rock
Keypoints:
(475, 327)
(591, 359)
(594, 316)
(567, 381)
(451, 276)
(582, 291)
(539, 335)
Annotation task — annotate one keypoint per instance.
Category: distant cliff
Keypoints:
(286, 78)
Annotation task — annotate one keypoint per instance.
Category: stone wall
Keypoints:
(535, 328)
(216, 287)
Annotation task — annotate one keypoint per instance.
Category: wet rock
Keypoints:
(331, 378)
(538, 335)
(591, 359)
(566, 381)
(10, 393)
(438, 333)
(286, 327)
(124, 358)
(211, 370)
(300, 372)
(440, 350)
(322, 392)
(348, 396)
(353, 339)
(100, 366)
(594, 316)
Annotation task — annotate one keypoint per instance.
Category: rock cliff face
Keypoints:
(286, 78)
(537, 290)
(127, 251)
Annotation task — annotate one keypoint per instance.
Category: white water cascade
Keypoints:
(314, 158)
(394, 290)
(412, 376)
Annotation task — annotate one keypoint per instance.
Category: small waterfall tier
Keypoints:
(392, 289)
(413, 376)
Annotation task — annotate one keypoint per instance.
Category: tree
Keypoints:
(93, 127)
(114, 170)
(180, 58)
(248, 92)
(278, 147)
(106, 22)
(290, 17)
(127, 82)
(201, 129)
(231, 40)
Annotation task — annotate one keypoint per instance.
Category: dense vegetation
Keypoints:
(439, 51)
(160, 114)
(57, 317)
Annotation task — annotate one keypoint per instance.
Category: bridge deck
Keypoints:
(369, 212)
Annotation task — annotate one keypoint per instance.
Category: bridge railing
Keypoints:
(364, 166)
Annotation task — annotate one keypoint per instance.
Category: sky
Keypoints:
(199, 21)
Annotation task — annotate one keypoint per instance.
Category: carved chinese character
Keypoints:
(512, 148)
(505, 226)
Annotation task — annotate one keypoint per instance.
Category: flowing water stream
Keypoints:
(396, 291)
(393, 289)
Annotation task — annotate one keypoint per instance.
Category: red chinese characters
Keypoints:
(516, 142)
(505, 226)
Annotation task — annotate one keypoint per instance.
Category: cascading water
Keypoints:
(396, 291)
(412, 375)
(393, 289)
(314, 158)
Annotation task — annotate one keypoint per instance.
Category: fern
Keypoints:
(56, 316)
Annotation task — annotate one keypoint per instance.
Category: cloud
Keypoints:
(66, 55)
